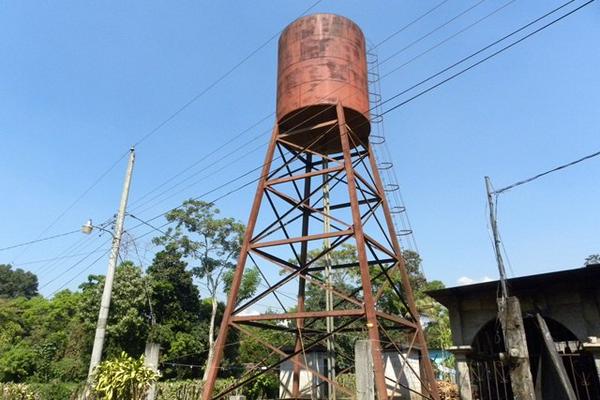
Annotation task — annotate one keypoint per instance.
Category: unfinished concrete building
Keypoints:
(569, 302)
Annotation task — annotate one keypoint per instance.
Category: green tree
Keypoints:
(178, 326)
(17, 363)
(212, 246)
(35, 336)
(17, 283)
(128, 321)
(592, 259)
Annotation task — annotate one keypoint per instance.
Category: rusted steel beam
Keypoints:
(424, 382)
(397, 320)
(308, 129)
(285, 265)
(300, 239)
(300, 203)
(354, 264)
(372, 190)
(307, 150)
(382, 248)
(282, 225)
(302, 176)
(299, 314)
(347, 204)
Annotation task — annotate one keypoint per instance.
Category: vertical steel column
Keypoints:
(239, 271)
(369, 301)
(302, 282)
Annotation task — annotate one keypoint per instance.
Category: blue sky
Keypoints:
(82, 81)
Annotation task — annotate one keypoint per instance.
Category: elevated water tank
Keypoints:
(322, 61)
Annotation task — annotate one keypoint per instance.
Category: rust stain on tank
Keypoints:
(322, 61)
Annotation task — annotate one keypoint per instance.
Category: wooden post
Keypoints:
(557, 363)
(516, 346)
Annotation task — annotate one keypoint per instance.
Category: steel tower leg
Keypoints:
(369, 302)
(213, 369)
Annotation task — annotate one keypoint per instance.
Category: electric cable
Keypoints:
(542, 174)
(414, 21)
(76, 201)
(455, 75)
(43, 260)
(461, 31)
(14, 246)
(75, 265)
(216, 82)
(80, 272)
(457, 16)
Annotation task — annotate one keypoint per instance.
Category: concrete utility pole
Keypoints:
(112, 265)
(511, 319)
(363, 366)
(328, 279)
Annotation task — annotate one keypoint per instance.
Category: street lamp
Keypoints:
(88, 227)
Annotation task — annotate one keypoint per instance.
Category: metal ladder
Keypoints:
(385, 166)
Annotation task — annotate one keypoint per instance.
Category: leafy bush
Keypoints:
(17, 391)
(266, 386)
(348, 381)
(54, 390)
(179, 390)
(189, 389)
(17, 363)
(123, 378)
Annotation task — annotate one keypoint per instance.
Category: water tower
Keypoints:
(320, 231)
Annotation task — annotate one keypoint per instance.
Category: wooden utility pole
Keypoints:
(511, 319)
(110, 275)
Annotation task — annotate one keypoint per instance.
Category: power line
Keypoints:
(76, 264)
(463, 30)
(51, 259)
(457, 16)
(208, 175)
(533, 178)
(80, 272)
(14, 246)
(484, 59)
(215, 83)
(76, 201)
(414, 21)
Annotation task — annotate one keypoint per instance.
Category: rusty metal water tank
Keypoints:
(322, 61)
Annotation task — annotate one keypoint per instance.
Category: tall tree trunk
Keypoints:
(211, 337)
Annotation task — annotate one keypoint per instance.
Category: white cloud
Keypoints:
(465, 280)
